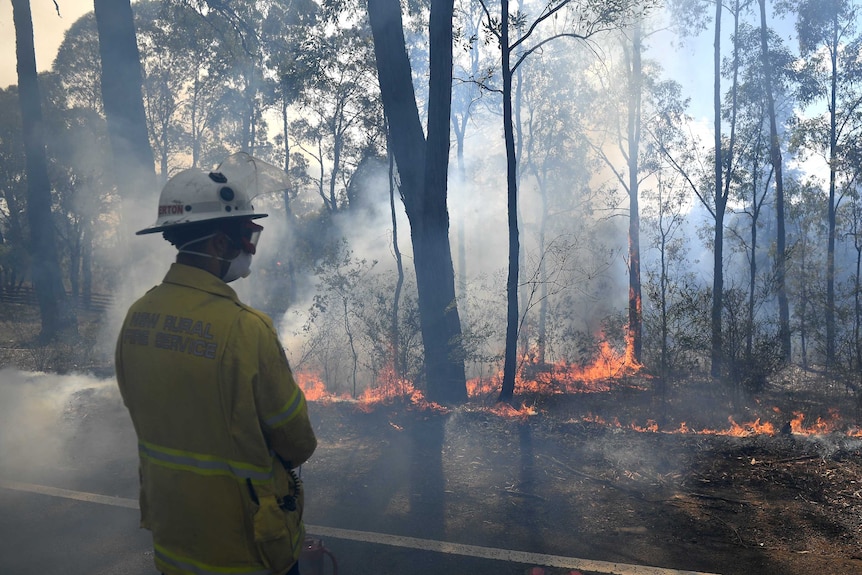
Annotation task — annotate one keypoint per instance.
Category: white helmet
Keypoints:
(194, 196)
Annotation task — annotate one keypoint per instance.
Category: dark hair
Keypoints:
(183, 234)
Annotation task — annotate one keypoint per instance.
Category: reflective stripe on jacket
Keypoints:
(219, 420)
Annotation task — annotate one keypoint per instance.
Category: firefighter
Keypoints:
(221, 423)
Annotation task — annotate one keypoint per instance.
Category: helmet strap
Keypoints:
(181, 249)
(224, 273)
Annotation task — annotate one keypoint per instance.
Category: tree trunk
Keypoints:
(516, 89)
(831, 218)
(87, 265)
(752, 263)
(663, 285)
(423, 171)
(718, 279)
(397, 365)
(133, 163)
(289, 238)
(722, 183)
(634, 335)
(542, 328)
(57, 316)
(775, 157)
(857, 301)
(194, 130)
(460, 131)
(510, 361)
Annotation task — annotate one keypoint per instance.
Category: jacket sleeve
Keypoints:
(281, 403)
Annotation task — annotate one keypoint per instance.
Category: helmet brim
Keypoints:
(164, 227)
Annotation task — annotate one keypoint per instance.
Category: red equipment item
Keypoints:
(311, 557)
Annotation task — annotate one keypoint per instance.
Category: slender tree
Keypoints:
(591, 17)
(829, 47)
(58, 318)
(720, 204)
(13, 170)
(690, 12)
(466, 93)
(628, 104)
(634, 68)
(777, 167)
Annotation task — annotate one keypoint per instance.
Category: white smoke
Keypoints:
(47, 425)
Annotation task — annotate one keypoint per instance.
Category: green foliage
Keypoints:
(348, 332)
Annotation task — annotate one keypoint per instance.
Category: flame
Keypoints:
(391, 389)
(757, 427)
(820, 426)
(508, 411)
(752, 428)
(312, 386)
(563, 376)
(394, 389)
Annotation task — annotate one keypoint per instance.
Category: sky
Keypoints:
(48, 30)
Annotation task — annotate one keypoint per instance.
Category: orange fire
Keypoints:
(756, 427)
(533, 377)
(312, 386)
(507, 411)
(562, 376)
(390, 389)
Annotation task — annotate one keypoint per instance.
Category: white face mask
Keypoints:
(240, 266)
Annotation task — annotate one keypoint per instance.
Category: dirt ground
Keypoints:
(560, 483)
(577, 480)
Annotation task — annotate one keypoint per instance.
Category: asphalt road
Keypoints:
(52, 530)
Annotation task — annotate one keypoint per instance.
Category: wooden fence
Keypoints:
(25, 295)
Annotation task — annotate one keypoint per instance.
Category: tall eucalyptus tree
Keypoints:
(692, 15)
(57, 317)
(13, 181)
(769, 78)
(423, 167)
(830, 48)
(133, 164)
(619, 130)
(755, 175)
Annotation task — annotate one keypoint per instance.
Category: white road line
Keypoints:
(68, 494)
(497, 554)
(527, 558)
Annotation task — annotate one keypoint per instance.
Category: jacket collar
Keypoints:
(196, 278)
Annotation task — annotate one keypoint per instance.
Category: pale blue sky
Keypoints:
(48, 30)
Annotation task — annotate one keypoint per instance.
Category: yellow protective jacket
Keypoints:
(220, 422)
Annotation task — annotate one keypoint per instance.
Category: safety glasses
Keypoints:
(250, 235)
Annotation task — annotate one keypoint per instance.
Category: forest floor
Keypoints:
(565, 482)
(587, 475)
